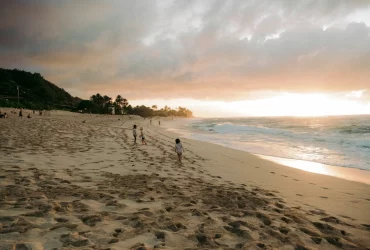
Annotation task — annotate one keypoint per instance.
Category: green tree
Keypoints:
(124, 102)
(130, 110)
(106, 99)
(88, 106)
(119, 100)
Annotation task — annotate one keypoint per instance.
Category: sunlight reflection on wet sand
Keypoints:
(351, 174)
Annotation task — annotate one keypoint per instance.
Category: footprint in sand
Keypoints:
(324, 188)
(323, 197)
(348, 193)
(272, 172)
(296, 179)
(347, 217)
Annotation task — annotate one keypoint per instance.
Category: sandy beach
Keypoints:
(72, 181)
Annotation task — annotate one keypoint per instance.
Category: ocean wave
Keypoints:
(363, 143)
(235, 129)
(341, 141)
(355, 129)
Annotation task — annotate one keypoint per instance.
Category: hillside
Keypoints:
(37, 93)
(34, 91)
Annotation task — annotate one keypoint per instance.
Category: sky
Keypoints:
(216, 57)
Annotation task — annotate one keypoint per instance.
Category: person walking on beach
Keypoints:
(134, 133)
(179, 149)
(20, 113)
(143, 141)
(159, 122)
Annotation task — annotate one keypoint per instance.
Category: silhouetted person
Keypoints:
(20, 113)
(134, 133)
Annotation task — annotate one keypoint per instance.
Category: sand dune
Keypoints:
(78, 181)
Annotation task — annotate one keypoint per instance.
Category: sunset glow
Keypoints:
(217, 58)
(284, 104)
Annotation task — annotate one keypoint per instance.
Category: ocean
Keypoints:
(337, 141)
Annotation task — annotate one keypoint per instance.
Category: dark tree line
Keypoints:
(99, 104)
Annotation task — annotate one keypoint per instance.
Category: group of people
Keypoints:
(179, 149)
(143, 141)
(159, 122)
(20, 114)
(3, 115)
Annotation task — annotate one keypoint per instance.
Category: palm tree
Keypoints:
(155, 107)
(119, 100)
(99, 99)
(93, 99)
(124, 102)
(167, 109)
(106, 99)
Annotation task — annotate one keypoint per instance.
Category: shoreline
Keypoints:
(345, 173)
(342, 172)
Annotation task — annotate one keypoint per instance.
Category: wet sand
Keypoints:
(78, 181)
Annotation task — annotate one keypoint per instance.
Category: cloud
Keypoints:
(209, 49)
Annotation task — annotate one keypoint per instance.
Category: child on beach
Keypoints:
(179, 149)
(143, 141)
(134, 132)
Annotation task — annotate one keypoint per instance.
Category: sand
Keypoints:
(72, 181)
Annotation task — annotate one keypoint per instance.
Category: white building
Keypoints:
(111, 109)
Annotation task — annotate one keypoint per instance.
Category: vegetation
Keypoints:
(30, 90)
(104, 104)
(34, 92)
